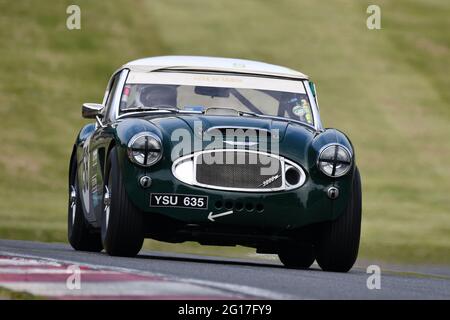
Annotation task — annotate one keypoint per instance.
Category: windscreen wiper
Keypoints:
(265, 116)
(141, 108)
(157, 109)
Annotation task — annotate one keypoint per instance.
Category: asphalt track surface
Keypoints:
(254, 278)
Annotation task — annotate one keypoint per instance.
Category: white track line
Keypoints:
(51, 271)
(21, 262)
(236, 290)
(117, 289)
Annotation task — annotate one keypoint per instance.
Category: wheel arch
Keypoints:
(72, 161)
(106, 163)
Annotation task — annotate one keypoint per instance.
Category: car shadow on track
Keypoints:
(215, 260)
(176, 257)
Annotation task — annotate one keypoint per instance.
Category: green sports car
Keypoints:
(219, 151)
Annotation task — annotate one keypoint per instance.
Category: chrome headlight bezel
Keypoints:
(155, 142)
(341, 149)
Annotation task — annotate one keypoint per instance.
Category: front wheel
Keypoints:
(122, 223)
(337, 249)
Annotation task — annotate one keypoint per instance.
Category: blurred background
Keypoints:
(388, 89)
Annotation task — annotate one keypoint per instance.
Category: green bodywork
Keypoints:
(284, 210)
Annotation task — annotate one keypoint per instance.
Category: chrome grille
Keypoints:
(238, 169)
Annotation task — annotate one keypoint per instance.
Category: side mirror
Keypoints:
(91, 110)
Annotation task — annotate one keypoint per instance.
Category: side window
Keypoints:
(110, 98)
(112, 90)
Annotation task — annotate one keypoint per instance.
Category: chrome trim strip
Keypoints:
(285, 164)
(99, 122)
(241, 143)
(118, 94)
(315, 109)
(124, 115)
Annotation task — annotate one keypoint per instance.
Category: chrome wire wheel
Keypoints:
(82, 236)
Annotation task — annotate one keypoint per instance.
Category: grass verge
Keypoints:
(387, 89)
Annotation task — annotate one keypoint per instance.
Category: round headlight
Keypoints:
(335, 160)
(145, 149)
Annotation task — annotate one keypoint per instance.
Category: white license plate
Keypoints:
(178, 200)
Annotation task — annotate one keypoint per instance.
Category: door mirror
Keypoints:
(91, 110)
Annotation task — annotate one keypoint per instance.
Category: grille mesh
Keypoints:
(238, 169)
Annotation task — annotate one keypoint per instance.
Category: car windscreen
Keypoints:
(253, 95)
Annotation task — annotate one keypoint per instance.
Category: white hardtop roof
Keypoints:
(199, 63)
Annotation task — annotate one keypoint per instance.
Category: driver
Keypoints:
(160, 96)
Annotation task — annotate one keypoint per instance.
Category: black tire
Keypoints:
(337, 249)
(81, 235)
(297, 258)
(122, 234)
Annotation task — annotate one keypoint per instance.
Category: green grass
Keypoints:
(6, 294)
(387, 89)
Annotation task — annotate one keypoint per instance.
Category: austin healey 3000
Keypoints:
(218, 151)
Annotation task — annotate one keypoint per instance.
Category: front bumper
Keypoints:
(282, 210)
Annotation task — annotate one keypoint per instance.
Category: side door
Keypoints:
(100, 142)
(94, 155)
